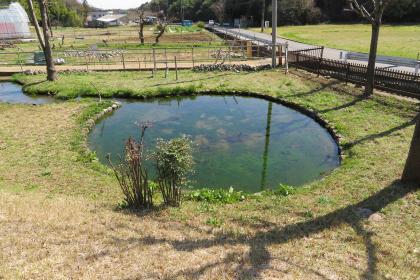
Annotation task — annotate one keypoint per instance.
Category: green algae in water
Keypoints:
(248, 143)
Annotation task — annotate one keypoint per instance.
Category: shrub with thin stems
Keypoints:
(132, 174)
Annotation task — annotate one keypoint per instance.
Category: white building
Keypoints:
(111, 20)
(14, 23)
(98, 14)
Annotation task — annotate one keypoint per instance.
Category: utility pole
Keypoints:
(182, 11)
(274, 33)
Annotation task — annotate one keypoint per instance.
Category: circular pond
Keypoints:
(12, 93)
(248, 143)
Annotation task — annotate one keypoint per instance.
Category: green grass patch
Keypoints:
(394, 40)
(315, 229)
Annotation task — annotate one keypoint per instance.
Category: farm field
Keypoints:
(59, 214)
(395, 40)
(122, 37)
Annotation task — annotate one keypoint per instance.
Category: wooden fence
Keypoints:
(142, 58)
(400, 82)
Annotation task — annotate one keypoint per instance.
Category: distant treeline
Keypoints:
(289, 11)
(62, 12)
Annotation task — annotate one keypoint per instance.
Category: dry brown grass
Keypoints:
(57, 217)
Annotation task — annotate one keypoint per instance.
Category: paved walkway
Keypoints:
(329, 53)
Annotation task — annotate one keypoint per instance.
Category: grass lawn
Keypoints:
(58, 216)
(395, 40)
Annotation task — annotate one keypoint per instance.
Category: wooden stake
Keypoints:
(154, 60)
(123, 60)
(176, 69)
(192, 56)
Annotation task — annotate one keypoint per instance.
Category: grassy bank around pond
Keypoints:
(58, 217)
(394, 40)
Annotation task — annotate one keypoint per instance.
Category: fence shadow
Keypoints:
(380, 134)
(344, 106)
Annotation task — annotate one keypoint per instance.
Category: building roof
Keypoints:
(109, 18)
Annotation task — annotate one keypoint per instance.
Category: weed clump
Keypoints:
(217, 196)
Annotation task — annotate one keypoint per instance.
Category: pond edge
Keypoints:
(322, 121)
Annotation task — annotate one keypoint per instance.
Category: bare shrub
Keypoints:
(132, 174)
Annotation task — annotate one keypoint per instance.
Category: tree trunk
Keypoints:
(412, 166)
(370, 82)
(49, 23)
(51, 72)
(159, 35)
(141, 33)
(35, 24)
(263, 16)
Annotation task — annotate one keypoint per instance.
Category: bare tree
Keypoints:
(412, 166)
(372, 10)
(262, 15)
(44, 37)
(218, 8)
(85, 11)
(141, 20)
(161, 25)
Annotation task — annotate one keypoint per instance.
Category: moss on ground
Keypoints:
(58, 215)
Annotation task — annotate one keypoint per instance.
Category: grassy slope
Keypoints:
(395, 40)
(57, 218)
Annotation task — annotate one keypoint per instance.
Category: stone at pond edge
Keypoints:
(375, 217)
(368, 214)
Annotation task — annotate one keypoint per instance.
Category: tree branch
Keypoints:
(35, 24)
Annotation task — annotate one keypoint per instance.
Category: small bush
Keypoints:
(174, 162)
(201, 24)
(216, 196)
(308, 214)
(214, 222)
(284, 190)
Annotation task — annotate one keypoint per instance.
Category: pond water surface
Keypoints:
(248, 143)
(12, 93)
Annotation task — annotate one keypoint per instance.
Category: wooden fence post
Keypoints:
(287, 58)
(192, 56)
(87, 63)
(123, 60)
(320, 60)
(280, 55)
(166, 68)
(347, 73)
(249, 49)
(176, 69)
(20, 61)
(154, 59)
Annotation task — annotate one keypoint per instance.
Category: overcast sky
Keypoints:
(116, 4)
